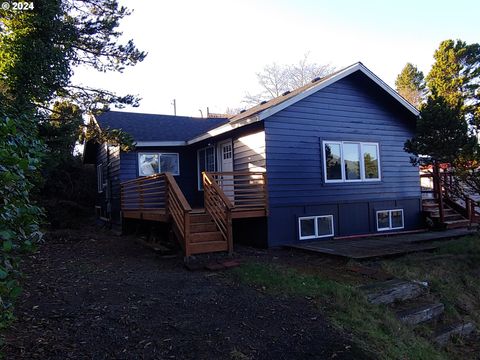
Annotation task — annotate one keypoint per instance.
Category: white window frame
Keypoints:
(315, 236)
(199, 178)
(100, 178)
(390, 220)
(159, 155)
(362, 163)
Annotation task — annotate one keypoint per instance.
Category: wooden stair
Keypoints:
(452, 218)
(204, 235)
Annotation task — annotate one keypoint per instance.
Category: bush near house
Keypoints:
(20, 155)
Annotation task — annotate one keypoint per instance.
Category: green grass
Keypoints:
(374, 328)
(453, 274)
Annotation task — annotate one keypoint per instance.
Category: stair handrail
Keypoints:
(179, 209)
(219, 207)
(447, 187)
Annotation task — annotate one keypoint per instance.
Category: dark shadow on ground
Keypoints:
(90, 294)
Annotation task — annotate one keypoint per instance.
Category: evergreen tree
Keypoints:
(441, 134)
(410, 83)
(455, 76)
(40, 47)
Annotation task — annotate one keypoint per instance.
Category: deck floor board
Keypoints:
(379, 246)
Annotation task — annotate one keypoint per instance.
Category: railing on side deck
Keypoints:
(219, 207)
(159, 192)
(179, 209)
(145, 193)
(246, 190)
(444, 190)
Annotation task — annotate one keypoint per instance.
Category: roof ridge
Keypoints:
(153, 114)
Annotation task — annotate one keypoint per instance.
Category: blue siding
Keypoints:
(352, 109)
(109, 199)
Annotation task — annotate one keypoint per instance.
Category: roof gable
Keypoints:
(275, 105)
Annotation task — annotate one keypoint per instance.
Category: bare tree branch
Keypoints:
(275, 79)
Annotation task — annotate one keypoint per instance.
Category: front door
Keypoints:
(225, 164)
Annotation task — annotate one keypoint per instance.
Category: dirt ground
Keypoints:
(89, 294)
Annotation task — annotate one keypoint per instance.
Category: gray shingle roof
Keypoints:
(150, 127)
(278, 100)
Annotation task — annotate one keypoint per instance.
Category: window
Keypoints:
(313, 227)
(347, 161)
(100, 178)
(154, 163)
(205, 162)
(227, 152)
(390, 219)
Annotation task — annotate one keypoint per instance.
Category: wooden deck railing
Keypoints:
(159, 193)
(179, 209)
(445, 190)
(227, 195)
(145, 193)
(219, 207)
(247, 191)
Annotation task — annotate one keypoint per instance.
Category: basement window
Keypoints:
(314, 227)
(390, 219)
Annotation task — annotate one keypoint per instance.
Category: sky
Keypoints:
(206, 53)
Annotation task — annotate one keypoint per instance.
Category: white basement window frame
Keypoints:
(158, 162)
(363, 148)
(316, 234)
(392, 223)
(100, 178)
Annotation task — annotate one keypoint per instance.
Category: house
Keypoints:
(322, 161)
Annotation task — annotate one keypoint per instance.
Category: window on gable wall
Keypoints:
(154, 163)
(350, 161)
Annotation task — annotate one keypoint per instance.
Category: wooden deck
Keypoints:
(382, 246)
(227, 196)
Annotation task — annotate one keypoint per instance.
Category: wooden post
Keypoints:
(140, 191)
(445, 184)
(167, 195)
(473, 203)
(186, 232)
(229, 231)
(265, 192)
(437, 181)
(468, 207)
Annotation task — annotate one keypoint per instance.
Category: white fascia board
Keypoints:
(355, 67)
(159, 143)
(224, 128)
